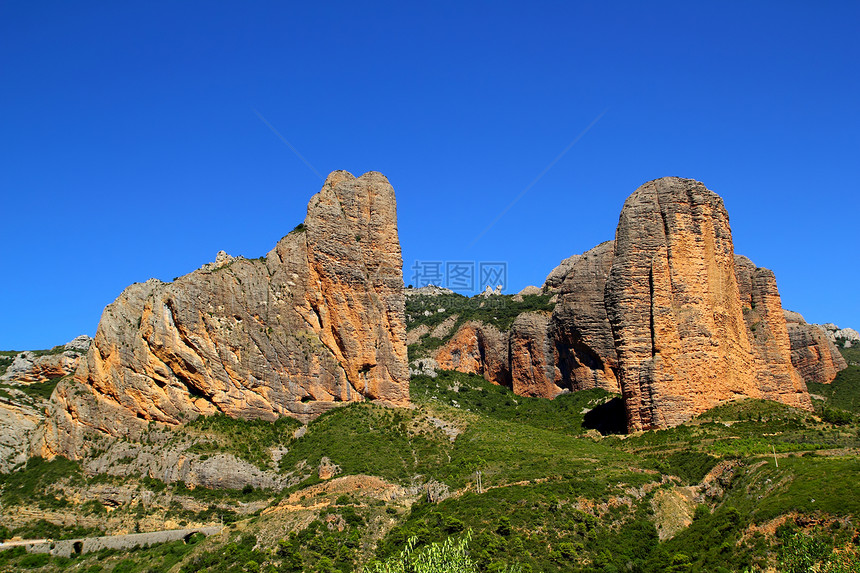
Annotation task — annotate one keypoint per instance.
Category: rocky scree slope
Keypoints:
(319, 321)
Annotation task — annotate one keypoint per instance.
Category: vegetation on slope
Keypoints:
(553, 494)
(843, 393)
(499, 311)
(250, 440)
(851, 354)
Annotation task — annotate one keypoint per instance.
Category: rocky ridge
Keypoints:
(38, 366)
(319, 321)
(813, 353)
(844, 337)
(666, 314)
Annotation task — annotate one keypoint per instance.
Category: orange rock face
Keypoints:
(762, 310)
(675, 308)
(316, 323)
(533, 357)
(814, 356)
(477, 348)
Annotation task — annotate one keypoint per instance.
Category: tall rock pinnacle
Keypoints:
(675, 309)
(317, 322)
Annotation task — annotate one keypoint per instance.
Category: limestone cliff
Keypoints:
(813, 354)
(675, 308)
(317, 322)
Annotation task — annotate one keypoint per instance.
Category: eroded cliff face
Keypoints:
(477, 348)
(762, 310)
(533, 357)
(813, 354)
(316, 323)
(675, 308)
(39, 367)
(546, 353)
(580, 327)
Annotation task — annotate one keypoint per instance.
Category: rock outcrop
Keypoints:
(532, 357)
(544, 354)
(20, 420)
(844, 337)
(762, 310)
(666, 314)
(39, 366)
(429, 290)
(556, 276)
(580, 327)
(675, 308)
(317, 322)
(813, 354)
(477, 348)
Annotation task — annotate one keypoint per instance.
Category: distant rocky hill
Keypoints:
(666, 314)
(844, 337)
(317, 322)
(41, 365)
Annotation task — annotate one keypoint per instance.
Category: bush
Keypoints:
(836, 416)
(35, 560)
(450, 556)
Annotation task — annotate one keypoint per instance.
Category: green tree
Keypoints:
(449, 556)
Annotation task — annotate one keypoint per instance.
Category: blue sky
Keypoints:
(131, 148)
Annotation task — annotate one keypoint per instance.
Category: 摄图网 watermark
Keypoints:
(468, 276)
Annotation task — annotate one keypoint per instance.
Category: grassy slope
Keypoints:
(843, 392)
(553, 500)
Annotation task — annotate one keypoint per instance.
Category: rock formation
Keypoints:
(20, 419)
(675, 308)
(544, 354)
(762, 310)
(317, 322)
(43, 365)
(666, 314)
(477, 348)
(813, 354)
(844, 337)
(580, 327)
(556, 276)
(532, 356)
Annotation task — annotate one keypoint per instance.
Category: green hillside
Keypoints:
(554, 495)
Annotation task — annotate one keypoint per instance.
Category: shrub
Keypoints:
(449, 556)
(34, 560)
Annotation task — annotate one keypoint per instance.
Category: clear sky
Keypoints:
(133, 146)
